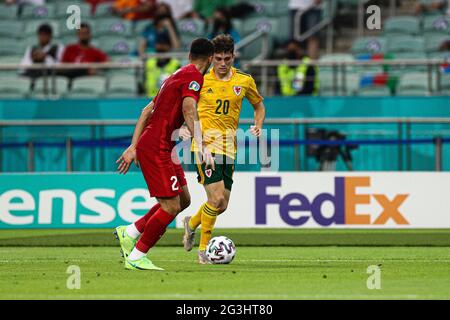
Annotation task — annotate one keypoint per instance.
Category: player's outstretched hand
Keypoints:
(254, 130)
(125, 160)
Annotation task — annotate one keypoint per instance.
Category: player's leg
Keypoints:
(128, 235)
(218, 199)
(163, 183)
(205, 177)
(216, 204)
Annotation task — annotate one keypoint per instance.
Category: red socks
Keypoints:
(154, 229)
(140, 224)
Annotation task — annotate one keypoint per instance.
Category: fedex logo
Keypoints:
(344, 200)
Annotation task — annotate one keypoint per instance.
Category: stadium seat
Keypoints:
(11, 29)
(103, 10)
(14, 87)
(326, 86)
(10, 59)
(413, 84)
(8, 12)
(38, 12)
(368, 45)
(404, 44)
(402, 25)
(436, 24)
(50, 88)
(284, 30)
(68, 39)
(122, 85)
(336, 57)
(264, 8)
(374, 91)
(32, 26)
(11, 47)
(116, 46)
(271, 25)
(441, 55)
(87, 87)
(112, 27)
(190, 29)
(433, 42)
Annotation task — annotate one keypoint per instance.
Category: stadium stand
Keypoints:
(403, 36)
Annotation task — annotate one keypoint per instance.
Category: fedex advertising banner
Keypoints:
(337, 200)
(261, 200)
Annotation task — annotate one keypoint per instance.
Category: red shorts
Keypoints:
(164, 177)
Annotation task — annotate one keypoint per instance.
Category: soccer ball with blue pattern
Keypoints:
(220, 250)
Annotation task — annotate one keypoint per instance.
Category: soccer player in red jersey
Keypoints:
(151, 149)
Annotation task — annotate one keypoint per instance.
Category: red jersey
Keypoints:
(74, 53)
(167, 110)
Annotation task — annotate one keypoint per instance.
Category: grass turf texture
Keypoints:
(315, 270)
(257, 273)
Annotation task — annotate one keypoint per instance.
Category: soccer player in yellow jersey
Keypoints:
(219, 109)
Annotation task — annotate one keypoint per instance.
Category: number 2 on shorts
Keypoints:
(174, 183)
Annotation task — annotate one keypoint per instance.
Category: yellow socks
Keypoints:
(195, 220)
(208, 219)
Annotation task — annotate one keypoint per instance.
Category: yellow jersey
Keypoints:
(219, 108)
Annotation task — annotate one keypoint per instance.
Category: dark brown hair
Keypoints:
(223, 43)
(201, 48)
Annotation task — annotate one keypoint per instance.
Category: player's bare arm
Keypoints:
(260, 115)
(129, 155)
(193, 124)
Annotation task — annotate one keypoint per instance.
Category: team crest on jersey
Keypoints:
(208, 173)
(237, 90)
(194, 86)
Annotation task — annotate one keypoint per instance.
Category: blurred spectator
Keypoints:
(83, 52)
(221, 23)
(180, 8)
(158, 70)
(308, 20)
(45, 51)
(445, 45)
(205, 8)
(135, 9)
(163, 25)
(297, 80)
(434, 6)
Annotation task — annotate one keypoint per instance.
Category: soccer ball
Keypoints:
(220, 250)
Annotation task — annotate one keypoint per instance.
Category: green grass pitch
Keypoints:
(270, 264)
